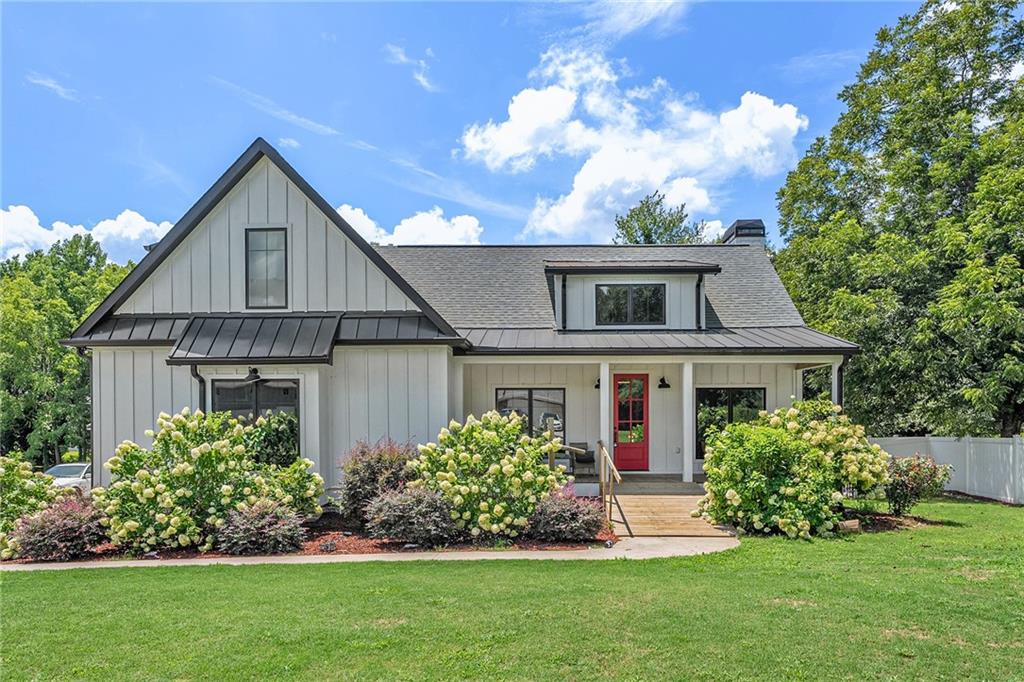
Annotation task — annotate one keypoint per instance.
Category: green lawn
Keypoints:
(939, 602)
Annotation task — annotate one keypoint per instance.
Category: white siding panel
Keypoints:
(130, 388)
(326, 270)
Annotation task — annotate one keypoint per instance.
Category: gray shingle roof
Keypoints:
(480, 287)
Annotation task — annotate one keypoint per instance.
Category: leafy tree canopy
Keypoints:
(652, 222)
(903, 225)
(44, 387)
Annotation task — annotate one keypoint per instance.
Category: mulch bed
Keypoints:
(328, 535)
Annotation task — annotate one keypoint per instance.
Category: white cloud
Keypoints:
(423, 227)
(615, 19)
(272, 108)
(633, 141)
(288, 142)
(420, 67)
(21, 231)
(1016, 71)
(815, 65)
(713, 230)
(52, 85)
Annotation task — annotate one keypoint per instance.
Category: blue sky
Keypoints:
(453, 122)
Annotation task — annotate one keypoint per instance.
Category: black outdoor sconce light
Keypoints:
(663, 384)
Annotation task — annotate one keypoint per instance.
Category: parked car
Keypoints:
(77, 475)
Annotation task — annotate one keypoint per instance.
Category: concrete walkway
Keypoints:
(627, 548)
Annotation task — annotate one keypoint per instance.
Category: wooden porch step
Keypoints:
(662, 515)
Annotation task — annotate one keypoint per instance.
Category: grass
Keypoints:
(942, 601)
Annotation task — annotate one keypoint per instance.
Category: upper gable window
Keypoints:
(621, 304)
(266, 268)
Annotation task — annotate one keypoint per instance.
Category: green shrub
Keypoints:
(912, 479)
(414, 515)
(64, 531)
(70, 456)
(566, 518)
(274, 439)
(368, 471)
(786, 470)
(23, 492)
(198, 469)
(263, 528)
(492, 474)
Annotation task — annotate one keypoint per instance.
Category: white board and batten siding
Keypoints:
(581, 299)
(582, 408)
(206, 272)
(368, 393)
(398, 392)
(986, 467)
(778, 380)
(130, 387)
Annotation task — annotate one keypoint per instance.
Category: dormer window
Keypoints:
(630, 304)
(266, 268)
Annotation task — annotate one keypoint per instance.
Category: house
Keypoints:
(263, 297)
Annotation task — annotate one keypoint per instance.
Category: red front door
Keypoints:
(631, 422)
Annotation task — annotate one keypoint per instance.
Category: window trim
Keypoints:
(630, 322)
(529, 402)
(697, 450)
(249, 230)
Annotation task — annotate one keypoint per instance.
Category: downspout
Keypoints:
(841, 382)
(202, 386)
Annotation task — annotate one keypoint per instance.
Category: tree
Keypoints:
(878, 217)
(44, 387)
(651, 222)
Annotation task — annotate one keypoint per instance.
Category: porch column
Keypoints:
(605, 379)
(689, 422)
(798, 384)
(837, 382)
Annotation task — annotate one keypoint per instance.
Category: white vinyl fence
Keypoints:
(987, 467)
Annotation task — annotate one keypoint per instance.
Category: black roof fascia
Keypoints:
(249, 158)
(626, 268)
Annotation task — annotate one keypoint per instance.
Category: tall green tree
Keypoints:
(44, 387)
(879, 213)
(652, 222)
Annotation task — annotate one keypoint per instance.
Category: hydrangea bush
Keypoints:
(274, 439)
(177, 493)
(786, 470)
(23, 492)
(491, 473)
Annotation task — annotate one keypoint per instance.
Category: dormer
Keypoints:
(629, 294)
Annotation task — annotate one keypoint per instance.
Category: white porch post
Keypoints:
(605, 379)
(689, 421)
(798, 384)
(456, 389)
(837, 398)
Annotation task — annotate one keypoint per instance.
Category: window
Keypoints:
(630, 304)
(244, 399)
(720, 406)
(543, 408)
(266, 268)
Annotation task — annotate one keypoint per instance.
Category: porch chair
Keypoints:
(586, 459)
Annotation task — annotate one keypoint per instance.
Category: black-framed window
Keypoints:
(630, 304)
(266, 268)
(543, 408)
(250, 399)
(720, 406)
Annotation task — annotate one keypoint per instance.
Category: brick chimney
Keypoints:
(749, 231)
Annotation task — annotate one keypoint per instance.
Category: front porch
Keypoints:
(650, 409)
